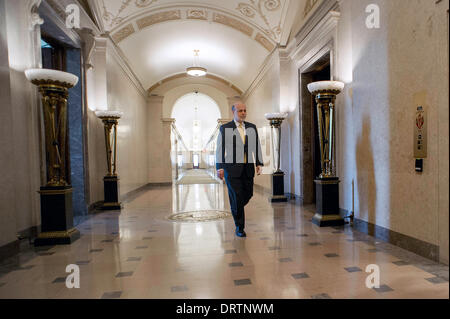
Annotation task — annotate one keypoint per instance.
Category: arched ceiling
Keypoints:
(234, 36)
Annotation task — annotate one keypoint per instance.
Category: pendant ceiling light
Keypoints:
(196, 70)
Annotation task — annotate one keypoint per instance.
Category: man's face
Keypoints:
(240, 112)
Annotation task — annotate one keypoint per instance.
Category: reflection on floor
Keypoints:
(139, 253)
(196, 176)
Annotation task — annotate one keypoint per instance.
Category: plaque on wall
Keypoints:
(420, 133)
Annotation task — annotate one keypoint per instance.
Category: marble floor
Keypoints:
(139, 253)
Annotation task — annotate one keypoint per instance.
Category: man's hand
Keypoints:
(220, 174)
(258, 170)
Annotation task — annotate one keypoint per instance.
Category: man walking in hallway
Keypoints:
(238, 152)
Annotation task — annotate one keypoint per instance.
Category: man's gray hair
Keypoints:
(233, 107)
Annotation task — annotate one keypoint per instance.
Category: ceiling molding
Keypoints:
(233, 23)
(319, 13)
(325, 29)
(159, 17)
(253, 13)
(143, 21)
(123, 33)
(95, 9)
(292, 9)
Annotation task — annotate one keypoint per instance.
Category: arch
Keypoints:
(196, 116)
(182, 78)
(171, 96)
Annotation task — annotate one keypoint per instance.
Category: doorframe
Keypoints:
(314, 46)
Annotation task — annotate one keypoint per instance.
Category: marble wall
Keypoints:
(19, 122)
(395, 69)
(119, 93)
(158, 143)
(133, 127)
(388, 72)
(264, 98)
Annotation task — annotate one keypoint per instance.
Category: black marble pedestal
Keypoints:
(56, 217)
(111, 190)
(278, 188)
(327, 203)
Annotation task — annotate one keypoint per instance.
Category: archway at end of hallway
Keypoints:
(196, 116)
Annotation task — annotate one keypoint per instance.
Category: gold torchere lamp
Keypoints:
(110, 121)
(56, 195)
(327, 184)
(276, 119)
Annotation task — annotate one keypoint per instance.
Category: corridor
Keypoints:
(140, 253)
(120, 117)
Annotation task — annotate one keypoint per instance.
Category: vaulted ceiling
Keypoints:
(234, 36)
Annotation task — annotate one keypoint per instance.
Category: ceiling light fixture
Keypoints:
(196, 70)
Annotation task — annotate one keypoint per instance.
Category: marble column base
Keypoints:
(57, 237)
(278, 188)
(56, 217)
(111, 191)
(327, 203)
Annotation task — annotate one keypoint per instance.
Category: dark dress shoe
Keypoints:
(240, 233)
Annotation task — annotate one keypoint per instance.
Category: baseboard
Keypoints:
(9, 250)
(294, 197)
(94, 206)
(406, 242)
(344, 213)
(131, 195)
(30, 232)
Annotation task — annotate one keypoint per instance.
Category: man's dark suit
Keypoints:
(238, 162)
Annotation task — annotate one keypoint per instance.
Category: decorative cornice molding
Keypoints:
(94, 5)
(158, 18)
(260, 8)
(233, 23)
(199, 14)
(310, 4)
(264, 42)
(33, 14)
(325, 29)
(171, 13)
(255, 9)
(323, 9)
(123, 33)
(88, 39)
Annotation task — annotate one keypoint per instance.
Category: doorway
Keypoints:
(311, 166)
(60, 56)
(196, 161)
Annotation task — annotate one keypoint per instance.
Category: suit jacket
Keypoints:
(230, 151)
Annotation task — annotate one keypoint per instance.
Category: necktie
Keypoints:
(242, 133)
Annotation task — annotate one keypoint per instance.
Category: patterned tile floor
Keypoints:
(138, 253)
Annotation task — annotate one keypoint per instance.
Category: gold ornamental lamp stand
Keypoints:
(110, 121)
(327, 184)
(56, 196)
(276, 119)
